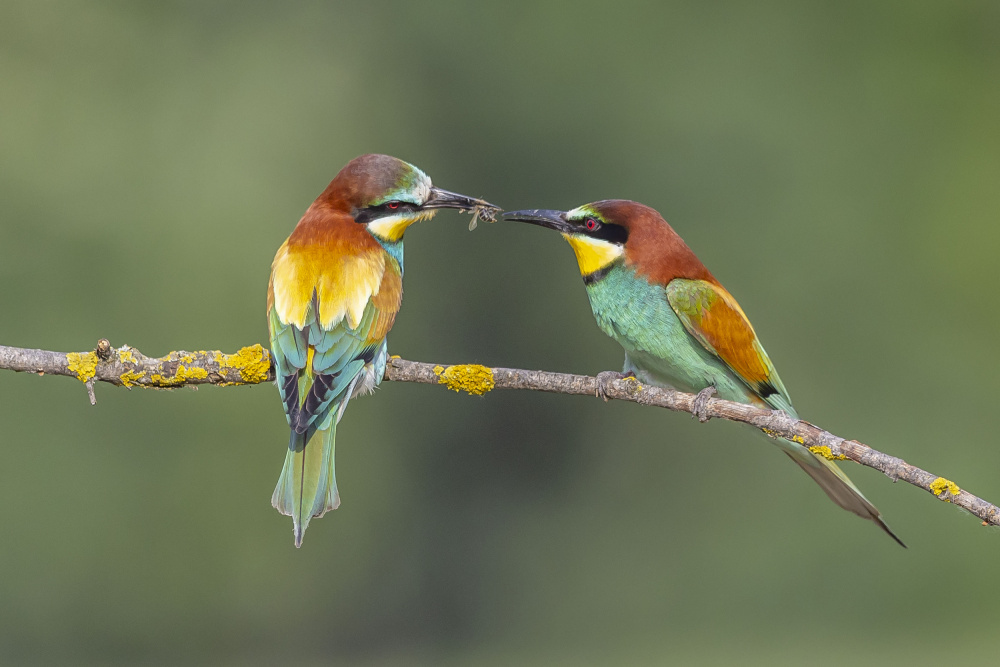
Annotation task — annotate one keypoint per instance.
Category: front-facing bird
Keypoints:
(679, 326)
(336, 286)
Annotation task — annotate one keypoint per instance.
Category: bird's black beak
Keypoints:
(543, 218)
(443, 199)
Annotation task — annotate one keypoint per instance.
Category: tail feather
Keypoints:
(307, 487)
(836, 484)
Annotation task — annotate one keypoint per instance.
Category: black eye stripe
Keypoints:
(365, 215)
(605, 231)
(394, 206)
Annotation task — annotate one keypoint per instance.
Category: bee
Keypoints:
(487, 213)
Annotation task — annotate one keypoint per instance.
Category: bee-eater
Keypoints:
(679, 326)
(336, 286)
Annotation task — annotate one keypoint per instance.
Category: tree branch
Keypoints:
(126, 366)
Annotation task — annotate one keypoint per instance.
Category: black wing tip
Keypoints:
(765, 389)
(888, 531)
(368, 354)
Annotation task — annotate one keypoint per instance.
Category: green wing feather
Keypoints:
(713, 318)
(316, 371)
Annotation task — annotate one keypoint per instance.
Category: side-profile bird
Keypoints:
(336, 286)
(679, 326)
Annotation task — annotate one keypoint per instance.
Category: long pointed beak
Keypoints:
(542, 217)
(444, 199)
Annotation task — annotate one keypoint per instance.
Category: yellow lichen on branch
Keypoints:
(471, 378)
(130, 378)
(940, 485)
(84, 364)
(182, 375)
(253, 363)
(824, 451)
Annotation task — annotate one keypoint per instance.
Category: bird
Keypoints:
(679, 327)
(334, 291)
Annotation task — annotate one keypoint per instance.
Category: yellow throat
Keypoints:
(391, 227)
(593, 254)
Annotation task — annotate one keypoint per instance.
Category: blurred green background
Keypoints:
(834, 163)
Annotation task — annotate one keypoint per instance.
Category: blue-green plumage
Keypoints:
(317, 380)
(658, 348)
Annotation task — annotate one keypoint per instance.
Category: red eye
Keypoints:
(393, 205)
(592, 224)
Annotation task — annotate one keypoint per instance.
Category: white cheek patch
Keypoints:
(593, 254)
(391, 227)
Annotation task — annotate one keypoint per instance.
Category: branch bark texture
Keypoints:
(126, 366)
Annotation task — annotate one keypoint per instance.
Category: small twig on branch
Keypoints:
(127, 367)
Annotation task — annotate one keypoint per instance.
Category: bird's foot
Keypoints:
(605, 378)
(700, 408)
